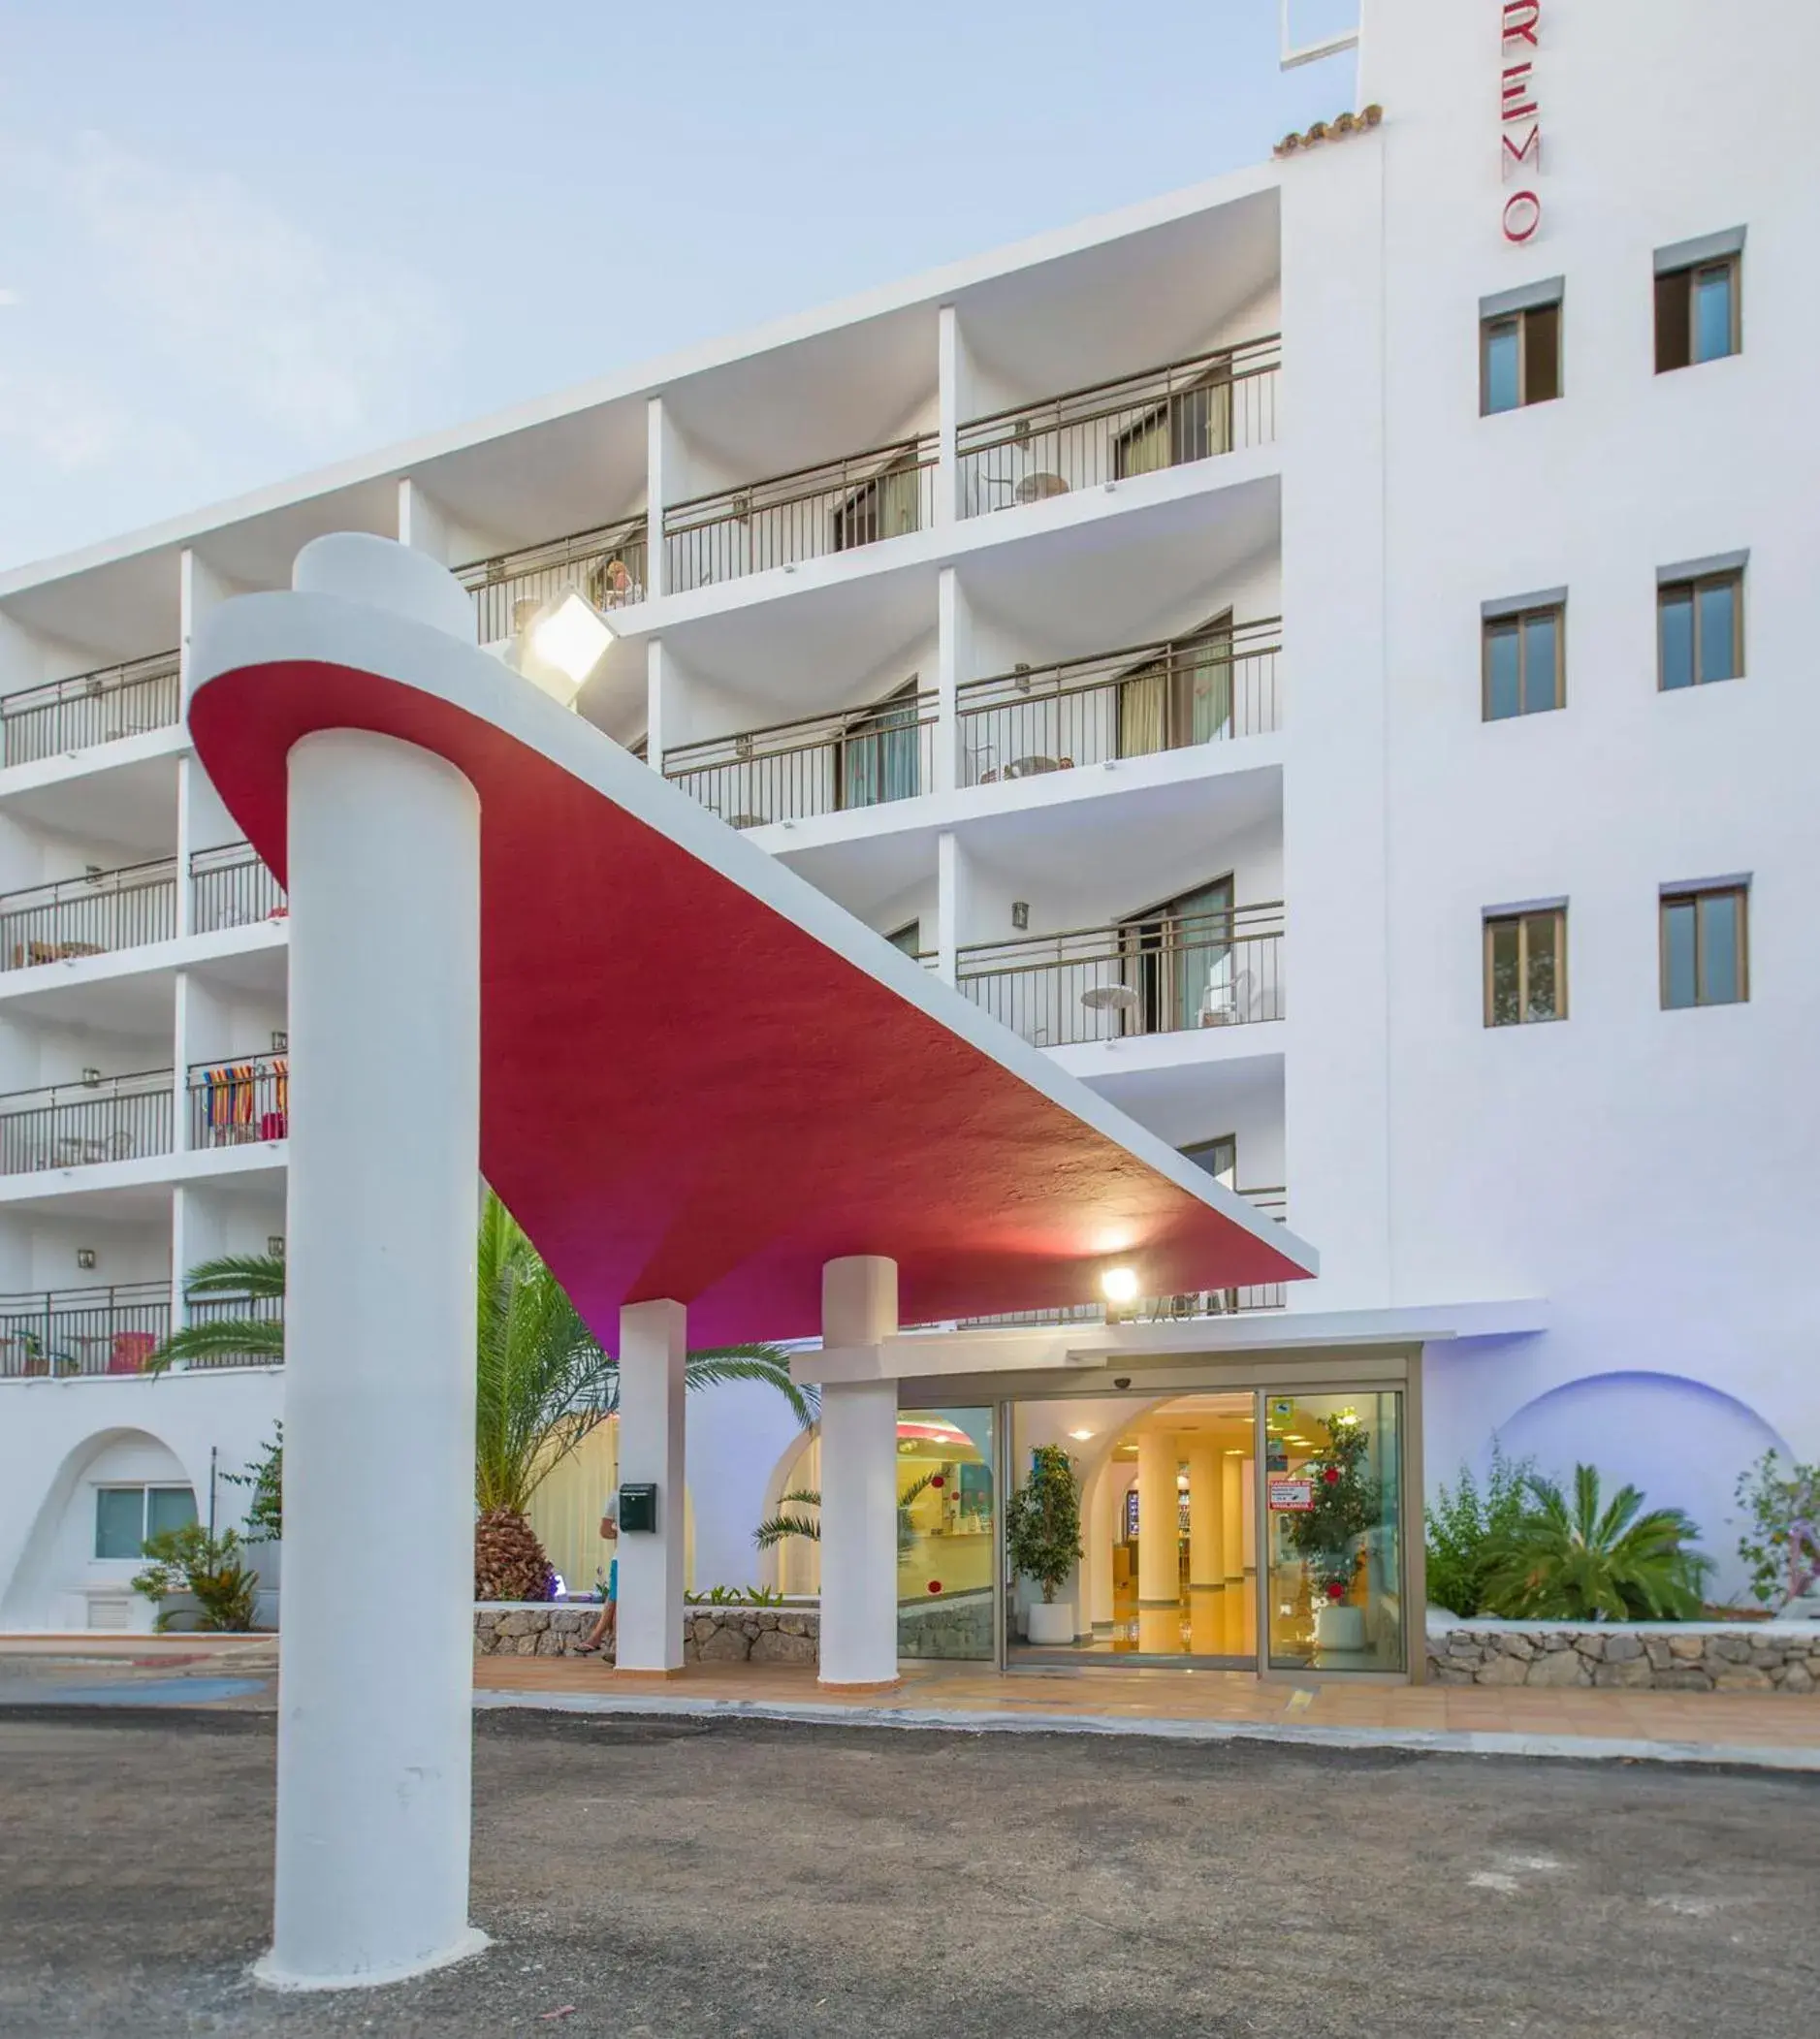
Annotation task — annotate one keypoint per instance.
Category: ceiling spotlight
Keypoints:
(1119, 1284)
(569, 640)
(1081, 1437)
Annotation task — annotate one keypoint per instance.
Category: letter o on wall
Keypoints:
(1522, 216)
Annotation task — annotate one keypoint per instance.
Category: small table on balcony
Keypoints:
(1109, 998)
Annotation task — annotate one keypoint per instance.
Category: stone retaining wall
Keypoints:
(731, 1635)
(1691, 1656)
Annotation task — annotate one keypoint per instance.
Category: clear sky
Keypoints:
(239, 240)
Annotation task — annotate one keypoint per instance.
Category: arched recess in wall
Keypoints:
(47, 1556)
(1683, 1442)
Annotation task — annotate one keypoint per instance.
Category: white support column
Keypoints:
(374, 1724)
(660, 486)
(859, 1483)
(422, 524)
(1233, 1532)
(199, 588)
(953, 904)
(659, 668)
(652, 1346)
(954, 666)
(953, 397)
(1159, 1550)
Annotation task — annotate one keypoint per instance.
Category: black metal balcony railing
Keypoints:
(233, 1309)
(230, 887)
(90, 708)
(88, 915)
(1207, 688)
(75, 1125)
(1156, 976)
(61, 1332)
(830, 508)
(1186, 410)
(605, 564)
(236, 1102)
(1166, 1308)
(819, 765)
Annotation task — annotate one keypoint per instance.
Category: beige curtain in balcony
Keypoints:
(1144, 711)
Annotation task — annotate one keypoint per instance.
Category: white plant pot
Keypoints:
(1339, 1625)
(1051, 1621)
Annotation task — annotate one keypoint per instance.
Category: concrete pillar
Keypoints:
(859, 1483)
(660, 689)
(653, 1348)
(954, 667)
(953, 904)
(660, 463)
(1232, 1535)
(1158, 1562)
(374, 1718)
(1206, 1517)
(952, 378)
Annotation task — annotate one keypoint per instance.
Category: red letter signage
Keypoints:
(1520, 114)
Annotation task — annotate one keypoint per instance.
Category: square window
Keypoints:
(1704, 947)
(1525, 964)
(169, 1508)
(1525, 662)
(1698, 313)
(119, 1522)
(1520, 359)
(1701, 630)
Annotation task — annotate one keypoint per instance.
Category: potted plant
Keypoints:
(1328, 1535)
(1043, 1538)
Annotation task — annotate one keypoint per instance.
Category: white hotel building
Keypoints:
(1316, 652)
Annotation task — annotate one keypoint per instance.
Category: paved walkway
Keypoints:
(1779, 1733)
(1696, 1727)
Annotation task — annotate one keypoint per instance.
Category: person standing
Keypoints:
(607, 1621)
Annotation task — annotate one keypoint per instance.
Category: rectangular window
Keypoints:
(1704, 944)
(1525, 967)
(1525, 662)
(1698, 313)
(1520, 359)
(126, 1515)
(1701, 629)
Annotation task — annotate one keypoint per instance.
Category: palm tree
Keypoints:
(254, 1279)
(541, 1380)
(1574, 1560)
(775, 1528)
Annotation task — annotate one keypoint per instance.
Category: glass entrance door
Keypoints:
(1333, 1491)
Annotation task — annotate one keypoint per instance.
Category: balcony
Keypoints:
(1156, 974)
(1167, 1309)
(230, 887)
(606, 565)
(819, 765)
(77, 1125)
(831, 508)
(1187, 410)
(240, 1104)
(233, 1309)
(88, 916)
(91, 708)
(1215, 685)
(61, 1333)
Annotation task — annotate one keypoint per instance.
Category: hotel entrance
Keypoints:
(1264, 1528)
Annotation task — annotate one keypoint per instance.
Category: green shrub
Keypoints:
(1465, 1526)
(1782, 1545)
(209, 1568)
(1042, 1521)
(1569, 1559)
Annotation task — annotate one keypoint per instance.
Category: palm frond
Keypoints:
(222, 1338)
(768, 1364)
(775, 1528)
(252, 1274)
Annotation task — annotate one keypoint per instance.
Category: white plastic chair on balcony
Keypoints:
(1228, 1000)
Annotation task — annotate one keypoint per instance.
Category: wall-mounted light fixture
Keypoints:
(91, 1078)
(275, 1245)
(85, 1256)
(1020, 912)
(280, 1041)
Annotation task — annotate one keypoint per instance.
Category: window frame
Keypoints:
(1493, 323)
(1520, 917)
(144, 1489)
(1692, 587)
(1514, 619)
(1691, 896)
(1687, 275)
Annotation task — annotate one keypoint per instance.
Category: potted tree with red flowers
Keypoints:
(1328, 1536)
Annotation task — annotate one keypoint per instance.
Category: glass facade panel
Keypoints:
(1719, 950)
(169, 1508)
(1505, 964)
(1333, 1510)
(119, 1522)
(1542, 935)
(1714, 324)
(1679, 981)
(1718, 630)
(1678, 638)
(946, 1530)
(1503, 365)
(1503, 672)
(1541, 656)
